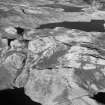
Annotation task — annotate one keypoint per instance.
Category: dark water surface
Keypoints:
(64, 7)
(15, 97)
(93, 26)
